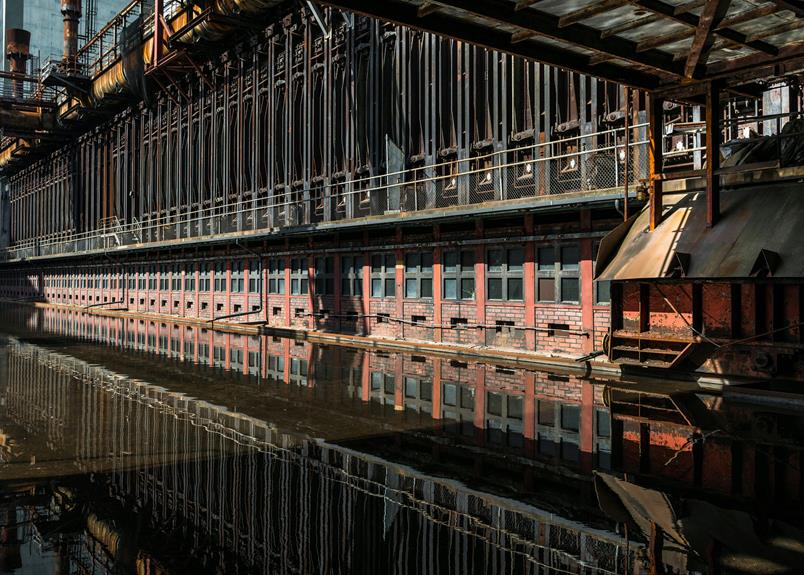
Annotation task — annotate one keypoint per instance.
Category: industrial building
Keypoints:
(424, 174)
(41, 18)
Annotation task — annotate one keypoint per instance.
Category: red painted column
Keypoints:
(530, 285)
(587, 283)
(399, 384)
(228, 352)
(480, 405)
(288, 315)
(438, 254)
(436, 411)
(366, 299)
(183, 299)
(197, 291)
(480, 283)
(264, 356)
(399, 279)
(286, 353)
(529, 413)
(311, 308)
(246, 292)
(228, 309)
(264, 298)
(365, 378)
(587, 432)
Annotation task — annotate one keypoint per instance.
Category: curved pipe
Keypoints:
(113, 79)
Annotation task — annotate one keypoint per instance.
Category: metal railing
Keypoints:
(546, 169)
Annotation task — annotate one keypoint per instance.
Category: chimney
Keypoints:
(71, 11)
(18, 45)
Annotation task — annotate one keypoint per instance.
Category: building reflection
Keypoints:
(281, 455)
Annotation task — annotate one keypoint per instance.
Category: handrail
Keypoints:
(270, 201)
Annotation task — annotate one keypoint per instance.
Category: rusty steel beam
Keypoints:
(795, 6)
(655, 158)
(712, 15)
(689, 19)
(713, 140)
(588, 11)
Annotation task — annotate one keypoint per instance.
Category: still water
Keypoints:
(137, 446)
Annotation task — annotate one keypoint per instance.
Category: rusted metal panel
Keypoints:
(751, 222)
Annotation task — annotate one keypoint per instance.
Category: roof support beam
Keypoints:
(546, 24)
(795, 6)
(497, 38)
(668, 10)
(522, 4)
(713, 13)
(788, 26)
(630, 25)
(713, 137)
(684, 8)
(589, 11)
(747, 15)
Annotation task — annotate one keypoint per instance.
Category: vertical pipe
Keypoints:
(71, 12)
(713, 137)
(627, 144)
(18, 44)
(655, 160)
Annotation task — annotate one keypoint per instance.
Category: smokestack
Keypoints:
(71, 11)
(18, 46)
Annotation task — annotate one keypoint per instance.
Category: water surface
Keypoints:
(143, 446)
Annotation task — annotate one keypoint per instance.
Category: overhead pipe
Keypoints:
(18, 48)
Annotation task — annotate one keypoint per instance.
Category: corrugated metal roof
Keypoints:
(764, 217)
(617, 39)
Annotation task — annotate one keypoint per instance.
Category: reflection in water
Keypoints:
(167, 448)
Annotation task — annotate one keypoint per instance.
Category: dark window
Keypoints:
(383, 275)
(558, 273)
(603, 423)
(299, 276)
(419, 275)
(504, 279)
(324, 275)
(220, 277)
(494, 403)
(351, 275)
(255, 276)
(189, 278)
(237, 276)
(570, 417)
(602, 288)
(204, 274)
(175, 279)
(547, 413)
(276, 276)
(458, 270)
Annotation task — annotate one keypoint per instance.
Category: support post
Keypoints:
(713, 137)
(655, 160)
(158, 39)
(627, 148)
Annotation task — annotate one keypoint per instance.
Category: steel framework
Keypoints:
(295, 126)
